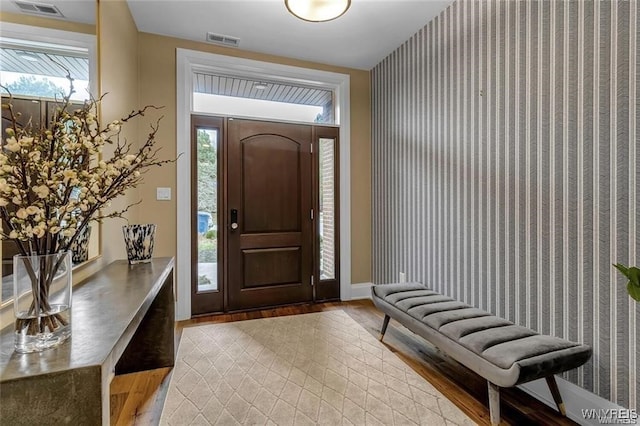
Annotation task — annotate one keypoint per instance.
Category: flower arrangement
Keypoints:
(52, 181)
(55, 180)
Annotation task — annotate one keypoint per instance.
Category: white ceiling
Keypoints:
(366, 34)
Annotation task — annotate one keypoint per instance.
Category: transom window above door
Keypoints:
(256, 98)
(38, 69)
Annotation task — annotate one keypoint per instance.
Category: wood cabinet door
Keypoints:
(25, 110)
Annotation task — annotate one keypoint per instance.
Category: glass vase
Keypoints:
(42, 301)
(138, 240)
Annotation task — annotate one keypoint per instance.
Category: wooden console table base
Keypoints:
(122, 322)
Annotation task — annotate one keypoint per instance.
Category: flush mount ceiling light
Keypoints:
(317, 10)
(260, 86)
(31, 57)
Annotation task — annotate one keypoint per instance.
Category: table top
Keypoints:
(107, 308)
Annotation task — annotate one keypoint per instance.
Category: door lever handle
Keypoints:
(234, 219)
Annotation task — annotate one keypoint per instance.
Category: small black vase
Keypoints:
(80, 247)
(138, 240)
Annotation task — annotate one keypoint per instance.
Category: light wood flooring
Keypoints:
(137, 399)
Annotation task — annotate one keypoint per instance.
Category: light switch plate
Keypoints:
(163, 194)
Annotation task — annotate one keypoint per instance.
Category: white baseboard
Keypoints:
(361, 291)
(575, 400)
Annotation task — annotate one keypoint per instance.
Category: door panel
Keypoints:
(271, 162)
(268, 267)
(30, 111)
(269, 183)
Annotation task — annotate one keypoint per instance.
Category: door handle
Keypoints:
(234, 219)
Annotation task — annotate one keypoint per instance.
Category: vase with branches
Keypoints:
(54, 181)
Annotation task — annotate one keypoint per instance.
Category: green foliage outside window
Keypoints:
(32, 86)
(207, 167)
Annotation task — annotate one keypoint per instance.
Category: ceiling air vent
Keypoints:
(223, 39)
(39, 8)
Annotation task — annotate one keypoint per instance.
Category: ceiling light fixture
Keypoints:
(259, 86)
(31, 57)
(317, 10)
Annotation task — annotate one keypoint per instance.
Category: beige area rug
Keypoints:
(319, 368)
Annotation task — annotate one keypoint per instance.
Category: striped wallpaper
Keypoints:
(505, 170)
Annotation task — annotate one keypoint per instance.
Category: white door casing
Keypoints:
(188, 61)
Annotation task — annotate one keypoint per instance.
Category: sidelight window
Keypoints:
(327, 219)
(207, 211)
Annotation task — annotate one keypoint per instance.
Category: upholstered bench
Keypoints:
(503, 353)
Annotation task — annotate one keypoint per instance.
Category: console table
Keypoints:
(122, 322)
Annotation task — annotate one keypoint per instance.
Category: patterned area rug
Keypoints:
(320, 368)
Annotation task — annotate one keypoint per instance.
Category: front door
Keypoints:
(269, 214)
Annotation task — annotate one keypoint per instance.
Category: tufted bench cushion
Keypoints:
(502, 352)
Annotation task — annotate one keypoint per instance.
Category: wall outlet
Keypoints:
(403, 277)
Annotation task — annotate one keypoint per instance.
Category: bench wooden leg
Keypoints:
(555, 392)
(385, 323)
(494, 403)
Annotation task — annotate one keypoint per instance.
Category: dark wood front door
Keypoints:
(268, 214)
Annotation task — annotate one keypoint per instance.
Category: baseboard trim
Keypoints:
(361, 291)
(576, 399)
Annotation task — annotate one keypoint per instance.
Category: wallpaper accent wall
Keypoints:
(505, 170)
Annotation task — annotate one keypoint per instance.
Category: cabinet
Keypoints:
(28, 109)
(39, 111)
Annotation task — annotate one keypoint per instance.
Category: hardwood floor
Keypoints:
(137, 399)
